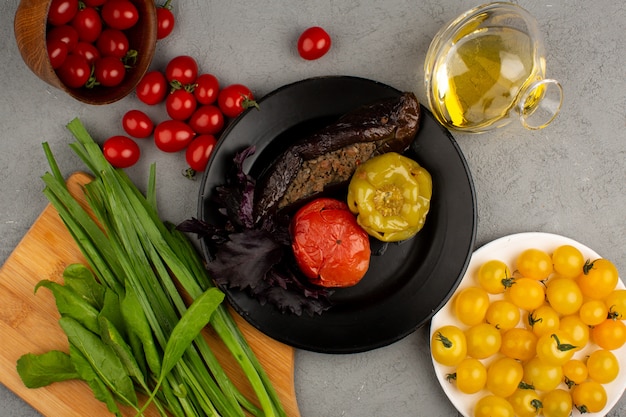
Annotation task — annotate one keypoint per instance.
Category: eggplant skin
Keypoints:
(328, 157)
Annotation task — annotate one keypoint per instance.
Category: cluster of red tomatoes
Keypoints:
(197, 108)
(87, 41)
(547, 344)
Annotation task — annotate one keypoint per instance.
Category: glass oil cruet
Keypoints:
(487, 67)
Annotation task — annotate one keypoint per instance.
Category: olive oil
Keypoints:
(481, 77)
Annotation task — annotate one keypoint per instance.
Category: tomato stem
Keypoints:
(588, 266)
(563, 347)
(447, 343)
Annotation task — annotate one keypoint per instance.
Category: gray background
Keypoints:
(567, 179)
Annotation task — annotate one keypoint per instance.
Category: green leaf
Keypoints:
(102, 359)
(41, 370)
(112, 337)
(89, 375)
(188, 328)
(70, 304)
(81, 280)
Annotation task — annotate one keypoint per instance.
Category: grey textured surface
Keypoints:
(567, 179)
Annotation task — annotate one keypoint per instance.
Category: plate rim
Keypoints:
(471, 235)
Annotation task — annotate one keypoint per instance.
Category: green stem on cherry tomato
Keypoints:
(524, 385)
(563, 347)
(447, 343)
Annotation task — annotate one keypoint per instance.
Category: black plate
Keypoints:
(404, 287)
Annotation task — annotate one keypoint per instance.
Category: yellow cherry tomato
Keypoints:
(574, 372)
(534, 263)
(557, 403)
(610, 334)
(593, 312)
(555, 348)
(470, 376)
(502, 314)
(598, 279)
(525, 402)
(602, 366)
(448, 345)
(519, 343)
(576, 329)
(568, 261)
(494, 276)
(470, 305)
(526, 293)
(542, 375)
(493, 406)
(564, 295)
(503, 376)
(589, 397)
(616, 304)
(483, 340)
(542, 320)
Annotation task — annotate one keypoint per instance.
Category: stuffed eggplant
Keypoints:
(329, 157)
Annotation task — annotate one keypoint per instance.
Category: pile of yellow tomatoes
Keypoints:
(521, 328)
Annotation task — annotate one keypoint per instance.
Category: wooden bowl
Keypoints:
(30, 28)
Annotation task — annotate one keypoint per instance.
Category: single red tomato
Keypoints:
(74, 72)
(57, 52)
(180, 104)
(137, 124)
(88, 24)
(109, 71)
(182, 69)
(207, 88)
(152, 88)
(87, 51)
(165, 22)
(119, 14)
(234, 99)
(207, 119)
(112, 42)
(61, 12)
(199, 151)
(313, 43)
(66, 34)
(331, 249)
(172, 135)
(121, 151)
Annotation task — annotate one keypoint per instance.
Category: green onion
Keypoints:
(140, 329)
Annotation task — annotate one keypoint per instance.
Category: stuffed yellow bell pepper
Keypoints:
(390, 194)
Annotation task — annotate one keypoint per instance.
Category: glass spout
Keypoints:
(539, 103)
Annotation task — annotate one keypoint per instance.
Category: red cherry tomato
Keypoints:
(109, 71)
(172, 135)
(74, 72)
(61, 12)
(137, 124)
(152, 88)
(112, 42)
(165, 22)
(121, 152)
(66, 34)
(207, 88)
(180, 104)
(88, 24)
(183, 69)
(57, 52)
(331, 249)
(87, 51)
(313, 43)
(199, 151)
(119, 14)
(234, 99)
(207, 119)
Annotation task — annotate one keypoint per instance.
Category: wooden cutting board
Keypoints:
(28, 323)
